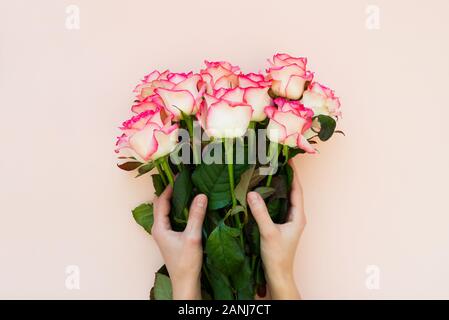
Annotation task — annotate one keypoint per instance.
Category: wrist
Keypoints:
(282, 286)
(186, 288)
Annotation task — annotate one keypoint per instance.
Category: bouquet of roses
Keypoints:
(224, 133)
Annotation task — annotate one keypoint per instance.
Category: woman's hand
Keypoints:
(278, 242)
(182, 251)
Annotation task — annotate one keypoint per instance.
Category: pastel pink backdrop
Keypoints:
(375, 197)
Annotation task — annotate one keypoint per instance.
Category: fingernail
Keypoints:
(253, 197)
(201, 201)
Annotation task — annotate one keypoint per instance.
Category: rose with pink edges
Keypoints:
(178, 93)
(218, 75)
(222, 118)
(182, 95)
(289, 76)
(148, 136)
(252, 90)
(321, 100)
(150, 82)
(288, 122)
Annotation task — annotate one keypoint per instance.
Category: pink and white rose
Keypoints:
(253, 80)
(253, 91)
(289, 76)
(288, 123)
(182, 93)
(152, 102)
(321, 100)
(150, 82)
(222, 118)
(219, 74)
(148, 136)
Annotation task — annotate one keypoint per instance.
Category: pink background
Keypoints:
(375, 197)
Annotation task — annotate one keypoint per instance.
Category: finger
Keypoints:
(162, 209)
(260, 213)
(296, 212)
(196, 215)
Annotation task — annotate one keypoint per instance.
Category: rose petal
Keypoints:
(258, 98)
(305, 145)
(143, 142)
(226, 121)
(234, 95)
(177, 100)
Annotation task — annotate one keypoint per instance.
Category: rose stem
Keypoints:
(168, 171)
(189, 123)
(229, 145)
(273, 153)
(285, 152)
(161, 173)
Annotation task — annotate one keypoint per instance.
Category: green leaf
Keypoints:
(129, 166)
(143, 215)
(223, 249)
(158, 184)
(327, 125)
(253, 236)
(289, 174)
(242, 188)
(292, 152)
(260, 275)
(243, 281)
(163, 270)
(145, 168)
(273, 206)
(265, 192)
(182, 192)
(220, 284)
(256, 179)
(237, 210)
(260, 279)
(162, 288)
(213, 180)
(279, 184)
(211, 221)
(205, 295)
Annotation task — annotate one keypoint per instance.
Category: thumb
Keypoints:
(196, 215)
(260, 213)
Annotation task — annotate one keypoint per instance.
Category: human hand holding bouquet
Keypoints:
(223, 155)
(182, 251)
